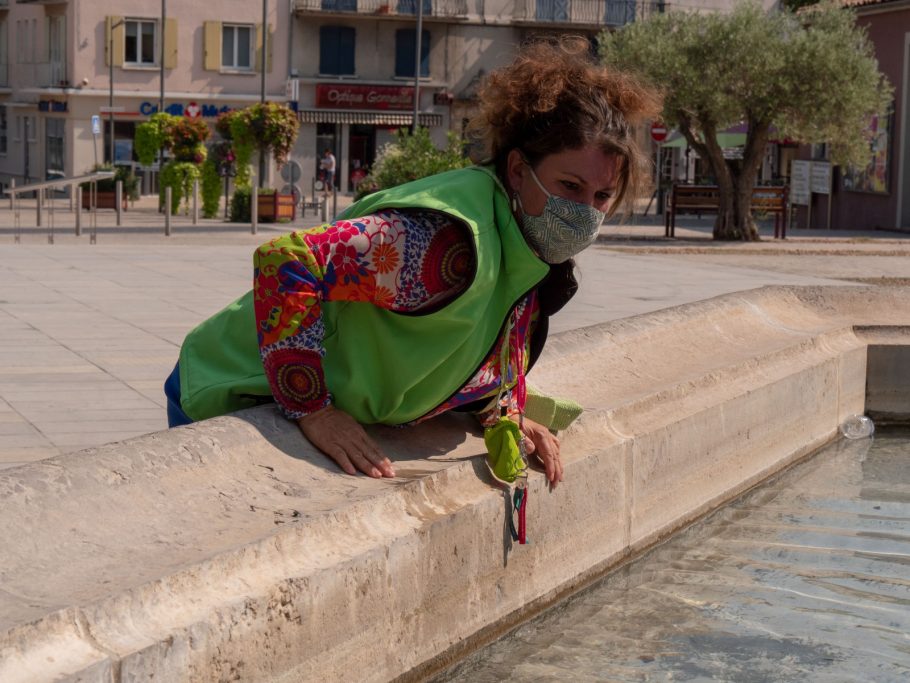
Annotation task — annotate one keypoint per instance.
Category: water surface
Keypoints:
(806, 578)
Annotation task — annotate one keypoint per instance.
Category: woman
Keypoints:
(420, 298)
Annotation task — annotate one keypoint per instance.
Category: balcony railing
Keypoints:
(431, 8)
(582, 12)
(42, 75)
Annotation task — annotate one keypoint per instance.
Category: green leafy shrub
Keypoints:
(240, 205)
(122, 173)
(211, 188)
(411, 157)
(179, 176)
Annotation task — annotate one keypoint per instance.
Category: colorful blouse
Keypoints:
(400, 260)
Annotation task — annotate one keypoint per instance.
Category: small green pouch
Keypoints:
(503, 451)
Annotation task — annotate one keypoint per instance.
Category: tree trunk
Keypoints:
(734, 219)
(734, 214)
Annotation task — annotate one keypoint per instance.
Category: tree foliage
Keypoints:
(813, 77)
(411, 157)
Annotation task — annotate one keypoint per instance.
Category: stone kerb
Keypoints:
(230, 549)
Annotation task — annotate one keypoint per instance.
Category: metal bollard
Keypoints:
(167, 211)
(78, 194)
(38, 195)
(195, 202)
(254, 211)
(12, 195)
(324, 209)
(118, 201)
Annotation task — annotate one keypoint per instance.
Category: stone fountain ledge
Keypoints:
(230, 550)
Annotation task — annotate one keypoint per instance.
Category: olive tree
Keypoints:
(812, 76)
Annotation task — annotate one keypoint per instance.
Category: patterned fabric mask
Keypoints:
(564, 228)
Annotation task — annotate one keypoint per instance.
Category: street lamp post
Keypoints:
(417, 51)
(110, 98)
(262, 64)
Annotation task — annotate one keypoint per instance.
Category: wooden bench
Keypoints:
(706, 199)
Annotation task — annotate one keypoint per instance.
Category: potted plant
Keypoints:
(106, 195)
(274, 207)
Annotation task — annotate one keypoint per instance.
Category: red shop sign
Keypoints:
(332, 96)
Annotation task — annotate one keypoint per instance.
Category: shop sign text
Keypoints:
(207, 111)
(332, 96)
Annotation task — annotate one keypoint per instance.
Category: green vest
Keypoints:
(383, 367)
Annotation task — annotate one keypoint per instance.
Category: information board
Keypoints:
(821, 177)
(800, 172)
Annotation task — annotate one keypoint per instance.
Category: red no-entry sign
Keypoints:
(658, 132)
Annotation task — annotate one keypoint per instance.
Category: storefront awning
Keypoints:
(367, 118)
(725, 140)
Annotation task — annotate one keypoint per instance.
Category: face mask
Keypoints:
(564, 228)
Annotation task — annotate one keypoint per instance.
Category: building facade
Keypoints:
(878, 195)
(77, 76)
(67, 61)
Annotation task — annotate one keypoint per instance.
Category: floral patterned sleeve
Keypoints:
(399, 260)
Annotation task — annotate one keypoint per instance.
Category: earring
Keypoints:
(515, 202)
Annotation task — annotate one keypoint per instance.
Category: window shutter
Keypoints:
(328, 54)
(258, 47)
(170, 43)
(119, 37)
(212, 46)
(404, 52)
(346, 42)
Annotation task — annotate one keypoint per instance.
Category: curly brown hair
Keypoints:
(554, 97)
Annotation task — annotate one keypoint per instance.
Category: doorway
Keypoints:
(361, 153)
(326, 138)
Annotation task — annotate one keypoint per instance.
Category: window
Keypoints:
(54, 135)
(236, 47)
(139, 42)
(336, 50)
(4, 143)
(404, 52)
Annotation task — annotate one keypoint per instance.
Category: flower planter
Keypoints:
(276, 207)
(104, 200)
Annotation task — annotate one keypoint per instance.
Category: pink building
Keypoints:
(878, 196)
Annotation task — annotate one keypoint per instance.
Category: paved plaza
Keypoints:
(88, 332)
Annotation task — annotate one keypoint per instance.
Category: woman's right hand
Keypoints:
(344, 440)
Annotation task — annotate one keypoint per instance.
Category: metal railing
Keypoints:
(580, 12)
(41, 190)
(431, 8)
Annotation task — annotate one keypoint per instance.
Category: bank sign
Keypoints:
(382, 97)
(193, 110)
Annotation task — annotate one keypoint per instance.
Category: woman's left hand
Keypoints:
(541, 442)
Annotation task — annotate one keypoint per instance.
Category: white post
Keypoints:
(167, 211)
(195, 202)
(254, 210)
(118, 201)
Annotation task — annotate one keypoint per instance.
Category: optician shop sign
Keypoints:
(191, 109)
(332, 96)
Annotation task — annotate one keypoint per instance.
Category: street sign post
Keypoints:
(96, 131)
